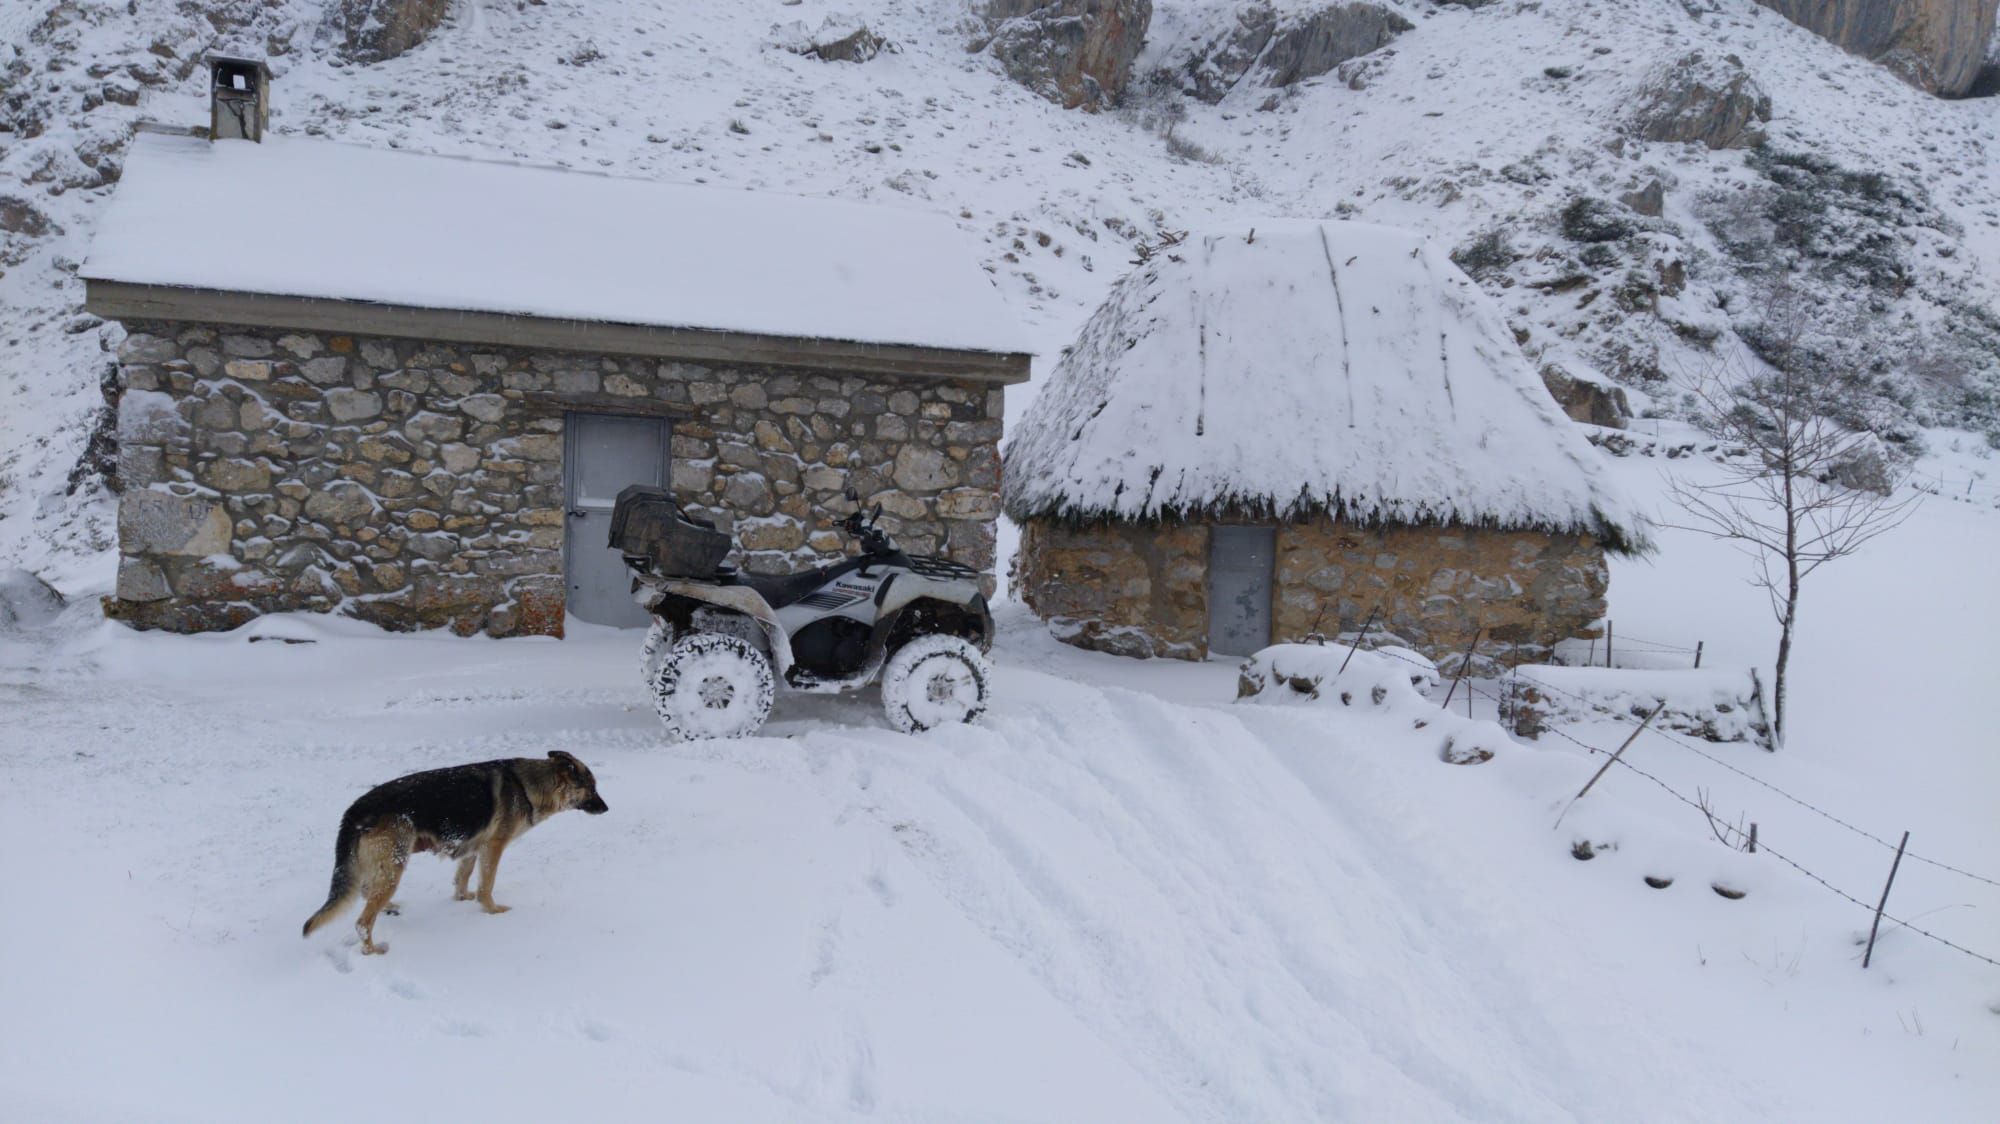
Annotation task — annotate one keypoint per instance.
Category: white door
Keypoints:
(603, 454)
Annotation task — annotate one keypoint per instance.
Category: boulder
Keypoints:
(1276, 50)
(27, 601)
(374, 30)
(1077, 53)
(837, 40)
(1935, 45)
(1650, 200)
(1585, 400)
(1701, 98)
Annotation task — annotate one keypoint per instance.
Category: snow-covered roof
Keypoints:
(1307, 366)
(304, 218)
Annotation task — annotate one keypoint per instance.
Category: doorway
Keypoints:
(1240, 568)
(602, 455)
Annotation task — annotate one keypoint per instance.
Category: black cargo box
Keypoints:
(647, 524)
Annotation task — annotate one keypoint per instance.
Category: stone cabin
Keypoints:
(407, 387)
(1265, 433)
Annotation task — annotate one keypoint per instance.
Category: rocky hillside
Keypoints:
(1632, 178)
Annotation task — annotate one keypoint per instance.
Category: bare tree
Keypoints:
(1791, 500)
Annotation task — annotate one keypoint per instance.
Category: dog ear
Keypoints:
(566, 760)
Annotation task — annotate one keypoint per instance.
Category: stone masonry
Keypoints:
(419, 485)
(1141, 589)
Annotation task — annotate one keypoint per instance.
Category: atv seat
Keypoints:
(780, 590)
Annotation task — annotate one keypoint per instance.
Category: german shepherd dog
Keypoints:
(467, 812)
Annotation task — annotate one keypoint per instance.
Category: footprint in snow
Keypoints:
(459, 1028)
(339, 959)
(405, 989)
(593, 1030)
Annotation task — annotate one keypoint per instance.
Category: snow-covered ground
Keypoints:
(1122, 896)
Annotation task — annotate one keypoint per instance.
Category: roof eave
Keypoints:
(1623, 539)
(127, 300)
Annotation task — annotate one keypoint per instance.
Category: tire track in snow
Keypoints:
(1115, 862)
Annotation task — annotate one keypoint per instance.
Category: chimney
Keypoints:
(239, 103)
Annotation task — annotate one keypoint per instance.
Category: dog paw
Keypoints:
(494, 907)
(464, 896)
(372, 949)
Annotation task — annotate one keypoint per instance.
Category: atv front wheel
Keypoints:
(712, 686)
(659, 641)
(934, 681)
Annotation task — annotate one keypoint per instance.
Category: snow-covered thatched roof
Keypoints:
(1305, 367)
(306, 218)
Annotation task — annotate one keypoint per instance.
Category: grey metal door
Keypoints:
(1240, 561)
(602, 455)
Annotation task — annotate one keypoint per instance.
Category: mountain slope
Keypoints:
(1507, 128)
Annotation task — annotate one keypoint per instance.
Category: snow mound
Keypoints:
(1293, 367)
(1390, 680)
(1295, 673)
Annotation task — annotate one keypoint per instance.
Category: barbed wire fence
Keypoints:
(1761, 844)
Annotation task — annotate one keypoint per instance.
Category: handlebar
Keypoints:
(873, 541)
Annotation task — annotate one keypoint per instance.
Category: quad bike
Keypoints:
(721, 640)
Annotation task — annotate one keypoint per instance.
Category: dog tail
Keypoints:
(342, 890)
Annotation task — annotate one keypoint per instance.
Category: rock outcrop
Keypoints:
(1935, 45)
(1275, 50)
(1593, 403)
(1700, 98)
(374, 30)
(1073, 52)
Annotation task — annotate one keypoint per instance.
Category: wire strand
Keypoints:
(1751, 777)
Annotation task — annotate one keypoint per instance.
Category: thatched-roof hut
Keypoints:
(1306, 422)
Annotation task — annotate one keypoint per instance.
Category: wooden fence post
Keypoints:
(1880, 905)
(1464, 669)
(1607, 645)
(1357, 641)
(1697, 653)
(1613, 761)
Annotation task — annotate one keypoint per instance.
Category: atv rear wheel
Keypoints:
(712, 686)
(934, 681)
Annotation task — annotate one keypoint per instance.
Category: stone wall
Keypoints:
(1141, 589)
(419, 485)
(1131, 589)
